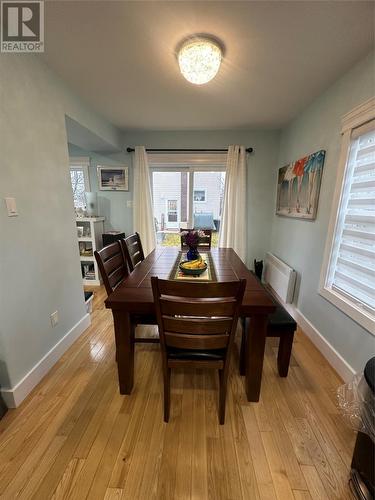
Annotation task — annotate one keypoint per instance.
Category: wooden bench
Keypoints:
(282, 325)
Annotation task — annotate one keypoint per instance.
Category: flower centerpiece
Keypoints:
(191, 239)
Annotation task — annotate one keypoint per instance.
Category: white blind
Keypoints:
(352, 270)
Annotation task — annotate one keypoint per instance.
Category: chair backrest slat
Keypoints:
(197, 326)
(116, 278)
(206, 307)
(112, 265)
(133, 250)
(195, 342)
(196, 316)
(202, 290)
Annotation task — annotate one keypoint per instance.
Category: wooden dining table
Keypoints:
(133, 298)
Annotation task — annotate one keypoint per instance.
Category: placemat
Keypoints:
(209, 274)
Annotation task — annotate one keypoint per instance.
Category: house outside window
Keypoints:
(187, 192)
(348, 272)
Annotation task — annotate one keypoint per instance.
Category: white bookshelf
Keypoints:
(88, 242)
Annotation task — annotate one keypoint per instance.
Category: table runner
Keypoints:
(209, 274)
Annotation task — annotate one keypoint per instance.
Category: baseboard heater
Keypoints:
(280, 277)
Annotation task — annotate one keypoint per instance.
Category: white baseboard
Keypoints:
(334, 358)
(13, 397)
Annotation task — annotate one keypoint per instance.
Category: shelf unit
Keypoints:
(89, 240)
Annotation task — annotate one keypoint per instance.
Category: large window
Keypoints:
(187, 192)
(348, 277)
(80, 180)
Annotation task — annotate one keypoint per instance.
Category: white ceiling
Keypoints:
(119, 57)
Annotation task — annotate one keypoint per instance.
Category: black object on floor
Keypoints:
(88, 295)
(258, 269)
(363, 463)
(3, 407)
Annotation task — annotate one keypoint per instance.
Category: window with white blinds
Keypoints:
(350, 269)
(353, 254)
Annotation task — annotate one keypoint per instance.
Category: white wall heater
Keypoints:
(280, 277)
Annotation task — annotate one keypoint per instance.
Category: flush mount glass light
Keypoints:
(199, 60)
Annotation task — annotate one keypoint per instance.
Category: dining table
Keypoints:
(134, 298)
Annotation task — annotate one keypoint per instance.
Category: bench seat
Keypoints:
(282, 325)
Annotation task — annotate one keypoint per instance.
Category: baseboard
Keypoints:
(13, 397)
(334, 358)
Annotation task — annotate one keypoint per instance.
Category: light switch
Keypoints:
(129, 203)
(11, 207)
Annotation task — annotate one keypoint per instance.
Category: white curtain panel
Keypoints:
(233, 219)
(142, 207)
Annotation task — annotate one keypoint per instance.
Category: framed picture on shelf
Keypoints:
(113, 178)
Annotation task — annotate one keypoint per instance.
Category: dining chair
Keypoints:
(197, 324)
(113, 268)
(112, 265)
(204, 241)
(132, 247)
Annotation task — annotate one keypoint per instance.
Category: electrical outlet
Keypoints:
(129, 203)
(54, 318)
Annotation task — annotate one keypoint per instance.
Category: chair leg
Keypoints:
(167, 392)
(222, 396)
(243, 350)
(285, 350)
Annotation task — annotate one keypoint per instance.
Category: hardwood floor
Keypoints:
(75, 437)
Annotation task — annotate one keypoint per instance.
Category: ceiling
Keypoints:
(120, 58)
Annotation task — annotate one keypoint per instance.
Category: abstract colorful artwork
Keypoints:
(298, 187)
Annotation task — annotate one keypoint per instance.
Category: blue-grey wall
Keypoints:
(301, 243)
(260, 197)
(39, 259)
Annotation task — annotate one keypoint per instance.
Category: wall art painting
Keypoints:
(298, 187)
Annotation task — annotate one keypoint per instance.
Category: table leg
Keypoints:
(243, 350)
(255, 345)
(124, 336)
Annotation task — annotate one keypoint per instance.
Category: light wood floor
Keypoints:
(75, 437)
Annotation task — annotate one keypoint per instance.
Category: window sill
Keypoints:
(357, 314)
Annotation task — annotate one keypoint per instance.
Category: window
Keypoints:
(348, 274)
(172, 212)
(199, 195)
(187, 191)
(79, 177)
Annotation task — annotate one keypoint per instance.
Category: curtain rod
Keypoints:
(131, 150)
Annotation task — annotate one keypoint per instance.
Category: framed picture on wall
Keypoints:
(113, 178)
(299, 185)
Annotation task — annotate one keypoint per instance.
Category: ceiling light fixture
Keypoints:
(199, 59)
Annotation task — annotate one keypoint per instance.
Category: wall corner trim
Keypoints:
(13, 397)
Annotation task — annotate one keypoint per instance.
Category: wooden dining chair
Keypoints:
(197, 324)
(132, 247)
(112, 265)
(113, 268)
(204, 241)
